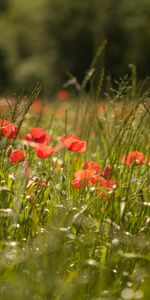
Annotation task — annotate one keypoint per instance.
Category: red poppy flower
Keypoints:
(8, 129)
(131, 157)
(38, 135)
(84, 178)
(91, 165)
(108, 184)
(16, 156)
(44, 151)
(107, 172)
(62, 95)
(73, 143)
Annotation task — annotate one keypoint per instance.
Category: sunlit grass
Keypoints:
(58, 242)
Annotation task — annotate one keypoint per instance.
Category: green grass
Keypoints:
(61, 243)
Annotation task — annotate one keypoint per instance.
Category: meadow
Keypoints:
(74, 198)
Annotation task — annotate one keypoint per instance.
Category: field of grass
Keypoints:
(67, 234)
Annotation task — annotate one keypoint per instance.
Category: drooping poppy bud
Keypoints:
(107, 172)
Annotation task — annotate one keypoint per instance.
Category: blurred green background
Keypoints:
(42, 40)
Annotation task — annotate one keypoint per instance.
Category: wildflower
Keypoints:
(38, 135)
(37, 106)
(62, 95)
(73, 143)
(91, 165)
(131, 157)
(84, 178)
(44, 151)
(107, 184)
(8, 129)
(16, 156)
(107, 172)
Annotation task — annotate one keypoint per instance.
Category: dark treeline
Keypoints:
(42, 40)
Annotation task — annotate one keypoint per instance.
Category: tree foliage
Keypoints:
(41, 40)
